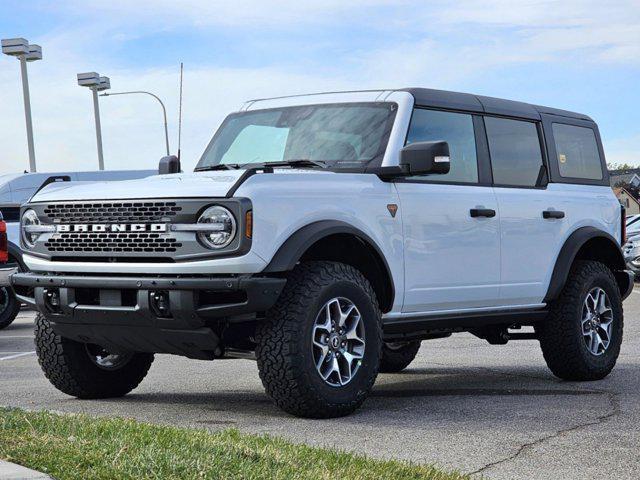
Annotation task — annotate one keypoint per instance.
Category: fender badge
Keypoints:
(393, 209)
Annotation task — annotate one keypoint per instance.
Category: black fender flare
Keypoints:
(291, 251)
(16, 253)
(568, 253)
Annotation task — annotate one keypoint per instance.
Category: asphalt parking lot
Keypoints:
(462, 404)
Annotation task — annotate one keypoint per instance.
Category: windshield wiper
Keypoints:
(220, 166)
(300, 162)
(279, 163)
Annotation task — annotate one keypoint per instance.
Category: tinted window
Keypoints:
(340, 134)
(515, 151)
(457, 130)
(577, 150)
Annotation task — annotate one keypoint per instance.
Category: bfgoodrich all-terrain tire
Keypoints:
(581, 337)
(397, 356)
(9, 307)
(319, 349)
(87, 371)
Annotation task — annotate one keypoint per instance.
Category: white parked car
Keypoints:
(328, 235)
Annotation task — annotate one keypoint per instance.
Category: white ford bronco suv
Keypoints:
(328, 235)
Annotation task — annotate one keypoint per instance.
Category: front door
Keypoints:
(450, 223)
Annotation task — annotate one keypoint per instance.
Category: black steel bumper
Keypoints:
(122, 313)
(6, 270)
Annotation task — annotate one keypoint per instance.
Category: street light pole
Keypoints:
(96, 113)
(164, 111)
(19, 47)
(27, 113)
(97, 84)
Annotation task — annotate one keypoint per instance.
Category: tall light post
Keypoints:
(20, 48)
(97, 84)
(164, 111)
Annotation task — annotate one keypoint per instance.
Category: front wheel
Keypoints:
(581, 337)
(319, 349)
(84, 370)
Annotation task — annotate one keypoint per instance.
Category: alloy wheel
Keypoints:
(338, 341)
(597, 321)
(106, 360)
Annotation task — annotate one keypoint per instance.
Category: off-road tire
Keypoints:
(397, 358)
(68, 367)
(560, 335)
(11, 309)
(284, 352)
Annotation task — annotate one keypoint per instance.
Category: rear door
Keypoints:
(528, 235)
(450, 222)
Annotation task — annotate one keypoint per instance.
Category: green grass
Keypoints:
(78, 446)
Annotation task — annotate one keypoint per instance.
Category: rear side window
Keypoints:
(578, 155)
(516, 158)
(457, 130)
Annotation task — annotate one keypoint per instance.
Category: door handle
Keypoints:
(482, 212)
(552, 214)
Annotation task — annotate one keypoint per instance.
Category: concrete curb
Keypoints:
(11, 471)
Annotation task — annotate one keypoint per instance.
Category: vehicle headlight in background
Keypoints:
(29, 219)
(223, 227)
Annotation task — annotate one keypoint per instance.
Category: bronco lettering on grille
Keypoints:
(116, 227)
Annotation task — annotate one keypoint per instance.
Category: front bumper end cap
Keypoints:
(6, 271)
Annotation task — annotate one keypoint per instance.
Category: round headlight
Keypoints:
(29, 218)
(223, 227)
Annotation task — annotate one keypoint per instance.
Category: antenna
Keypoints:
(180, 113)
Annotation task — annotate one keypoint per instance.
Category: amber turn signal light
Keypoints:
(248, 224)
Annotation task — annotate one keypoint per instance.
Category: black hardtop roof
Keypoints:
(427, 97)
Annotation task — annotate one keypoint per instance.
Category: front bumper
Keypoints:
(6, 271)
(121, 313)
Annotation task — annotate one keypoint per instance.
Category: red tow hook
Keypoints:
(4, 243)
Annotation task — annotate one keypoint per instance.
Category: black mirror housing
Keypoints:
(169, 164)
(421, 158)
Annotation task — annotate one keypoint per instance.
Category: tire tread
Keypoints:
(278, 353)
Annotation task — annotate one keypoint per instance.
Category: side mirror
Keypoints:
(425, 157)
(169, 164)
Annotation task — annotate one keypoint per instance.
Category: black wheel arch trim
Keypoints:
(16, 253)
(568, 253)
(292, 250)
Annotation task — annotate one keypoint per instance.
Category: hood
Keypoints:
(187, 185)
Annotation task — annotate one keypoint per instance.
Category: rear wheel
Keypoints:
(319, 349)
(86, 370)
(396, 356)
(582, 335)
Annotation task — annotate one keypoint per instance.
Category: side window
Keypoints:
(514, 146)
(577, 149)
(457, 130)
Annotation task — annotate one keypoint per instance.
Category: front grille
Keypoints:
(112, 212)
(126, 230)
(110, 242)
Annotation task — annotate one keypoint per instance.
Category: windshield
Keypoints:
(633, 229)
(344, 135)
